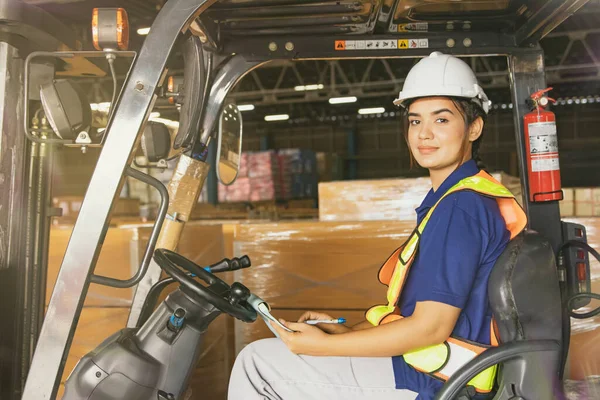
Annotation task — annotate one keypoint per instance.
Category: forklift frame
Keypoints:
(139, 93)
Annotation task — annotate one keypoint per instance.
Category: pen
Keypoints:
(325, 321)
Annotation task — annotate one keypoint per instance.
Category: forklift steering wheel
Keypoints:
(218, 293)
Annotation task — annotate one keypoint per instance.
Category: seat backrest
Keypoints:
(524, 292)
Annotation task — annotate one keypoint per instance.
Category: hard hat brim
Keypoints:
(483, 103)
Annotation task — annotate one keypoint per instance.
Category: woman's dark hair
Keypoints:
(470, 111)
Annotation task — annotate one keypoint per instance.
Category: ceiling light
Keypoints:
(374, 110)
(302, 88)
(143, 31)
(342, 100)
(277, 117)
(246, 107)
(101, 107)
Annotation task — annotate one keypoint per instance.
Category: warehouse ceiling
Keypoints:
(572, 53)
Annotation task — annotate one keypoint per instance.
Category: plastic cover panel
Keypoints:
(310, 17)
(285, 17)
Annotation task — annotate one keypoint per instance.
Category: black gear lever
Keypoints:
(238, 293)
(230, 265)
(239, 263)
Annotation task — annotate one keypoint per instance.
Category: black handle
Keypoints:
(238, 293)
(164, 205)
(230, 265)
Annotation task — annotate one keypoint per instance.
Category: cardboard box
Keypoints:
(115, 261)
(71, 205)
(587, 202)
(384, 199)
(567, 204)
(333, 266)
(300, 266)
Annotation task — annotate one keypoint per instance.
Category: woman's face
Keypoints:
(436, 133)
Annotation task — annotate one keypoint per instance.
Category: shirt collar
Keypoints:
(466, 170)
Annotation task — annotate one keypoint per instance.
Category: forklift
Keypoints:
(537, 284)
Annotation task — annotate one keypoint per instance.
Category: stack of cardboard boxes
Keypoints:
(580, 202)
(273, 175)
(383, 199)
(332, 264)
(106, 309)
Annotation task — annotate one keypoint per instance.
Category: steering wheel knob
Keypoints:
(238, 293)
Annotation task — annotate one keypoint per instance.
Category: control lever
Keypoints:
(239, 263)
(238, 293)
(230, 265)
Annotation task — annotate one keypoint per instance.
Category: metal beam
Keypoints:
(370, 86)
(551, 14)
(385, 79)
(40, 30)
(131, 113)
(324, 47)
(13, 194)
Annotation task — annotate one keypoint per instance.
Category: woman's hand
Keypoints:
(307, 339)
(329, 328)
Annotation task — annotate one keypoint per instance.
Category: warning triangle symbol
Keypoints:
(403, 44)
(340, 45)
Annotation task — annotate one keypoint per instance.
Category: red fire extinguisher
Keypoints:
(542, 150)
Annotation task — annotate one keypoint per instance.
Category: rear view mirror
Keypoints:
(156, 142)
(229, 146)
(66, 108)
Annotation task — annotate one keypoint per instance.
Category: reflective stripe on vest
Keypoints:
(444, 359)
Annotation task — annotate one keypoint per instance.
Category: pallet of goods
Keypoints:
(273, 175)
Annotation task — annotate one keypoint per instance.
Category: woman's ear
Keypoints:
(476, 129)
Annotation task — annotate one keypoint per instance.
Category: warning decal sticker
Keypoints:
(418, 26)
(542, 138)
(543, 146)
(545, 164)
(382, 44)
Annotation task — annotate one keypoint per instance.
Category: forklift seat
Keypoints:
(524, 294)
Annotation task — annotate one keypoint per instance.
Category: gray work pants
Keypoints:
(267, 369)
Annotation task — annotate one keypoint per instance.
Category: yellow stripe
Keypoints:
(428, 359)
(484, 381)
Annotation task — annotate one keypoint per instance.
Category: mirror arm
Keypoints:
(229, 73)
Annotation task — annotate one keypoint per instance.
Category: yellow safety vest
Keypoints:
(441, 361)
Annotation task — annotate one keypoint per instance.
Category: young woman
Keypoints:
(446, 291)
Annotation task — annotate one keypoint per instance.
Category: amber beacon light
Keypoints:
(110, 29)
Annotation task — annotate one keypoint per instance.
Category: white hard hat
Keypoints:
(442, 75)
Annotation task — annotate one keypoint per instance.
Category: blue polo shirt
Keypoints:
(458, 249)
